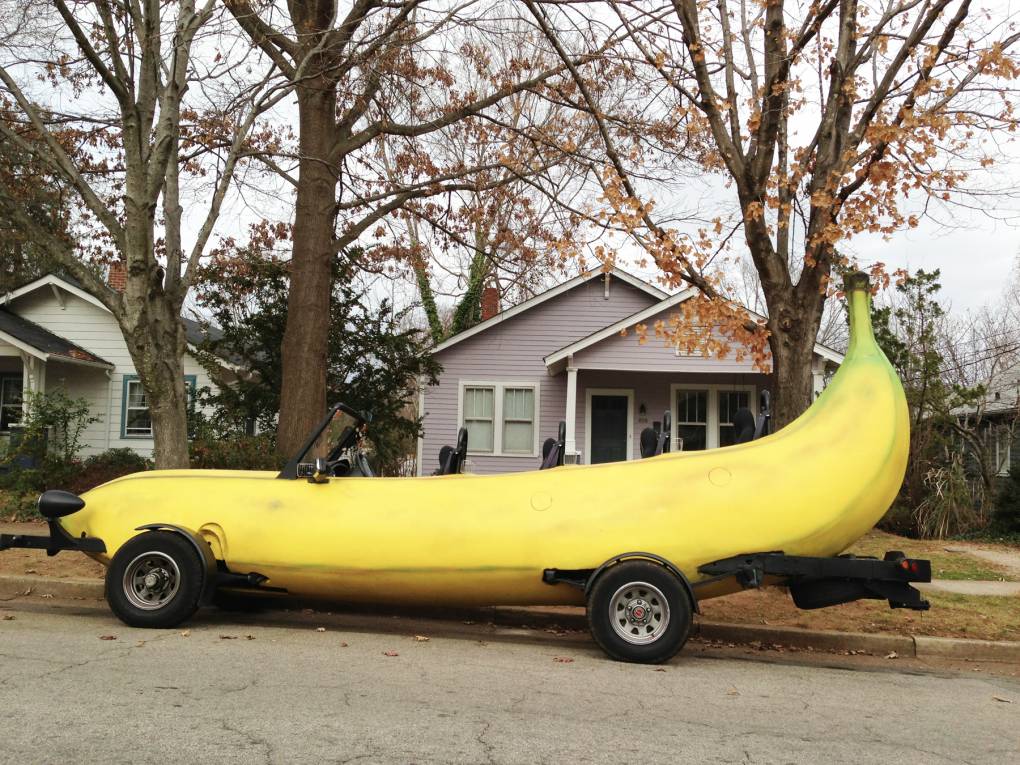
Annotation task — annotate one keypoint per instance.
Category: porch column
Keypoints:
(817, 376)
(570, 443)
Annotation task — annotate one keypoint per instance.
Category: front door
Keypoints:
(610, 427)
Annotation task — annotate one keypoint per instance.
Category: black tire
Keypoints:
(646, 590)
(180, 579)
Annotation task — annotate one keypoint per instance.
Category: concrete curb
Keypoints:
(573, 618)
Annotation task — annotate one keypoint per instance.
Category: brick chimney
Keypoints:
(490, 302)
(116, 277)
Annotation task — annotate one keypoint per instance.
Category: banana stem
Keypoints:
(857, 287)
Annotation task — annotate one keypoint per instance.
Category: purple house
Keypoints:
(560, 356)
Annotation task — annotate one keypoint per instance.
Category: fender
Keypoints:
(203, 549)
(585, 578)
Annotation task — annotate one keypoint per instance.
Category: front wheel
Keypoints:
(155, 580)
(639, 612)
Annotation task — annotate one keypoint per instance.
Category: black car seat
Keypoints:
(649, 442)
(451, 460)
(764, 426)
(552, 449)
(743, 425)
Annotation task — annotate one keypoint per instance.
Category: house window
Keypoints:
(1002, 450)
(136, 417)
(729, 402)
(501, 418)
(479, 415)
(692, 419)
(704, 414)
(518, 420)
(10, 401)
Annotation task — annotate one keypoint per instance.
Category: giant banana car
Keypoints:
(640, 542)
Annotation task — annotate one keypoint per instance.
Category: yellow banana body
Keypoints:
(812, 488)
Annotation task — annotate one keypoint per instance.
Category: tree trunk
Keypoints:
(793, 327)
(303, 394)
(157, 344)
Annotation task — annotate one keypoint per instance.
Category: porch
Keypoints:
(29, 356)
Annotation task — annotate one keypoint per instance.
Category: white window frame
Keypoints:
(498, 386)
(1002, 436)
(712, 434)
(588, 393)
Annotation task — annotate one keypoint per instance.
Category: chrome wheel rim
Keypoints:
(639, 613)
(151, 580)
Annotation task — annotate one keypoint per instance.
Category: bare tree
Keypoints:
(109, 98)
(823, 119)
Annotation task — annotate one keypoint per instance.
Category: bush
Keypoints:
(237, 453)
(100, 468)
(948, 508)
(1007, 504)
(18, 506)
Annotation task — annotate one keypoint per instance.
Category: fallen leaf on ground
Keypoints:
(31, 571)
(892, 655)
(8, 618)
(228, 637)
(107, 637)
(249, 637)
(320, 629)
(563, 659)
(186, 633)
(659, 669)
(139, 644)
(46, 595)
(1004, 701)
(732, 692)
(421, 638)
(343, 645)
(390, 653)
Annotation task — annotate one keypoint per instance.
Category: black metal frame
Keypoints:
(820, 582)
(57, 540)
(290, 470)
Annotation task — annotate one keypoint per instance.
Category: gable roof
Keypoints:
(40, 342)
(549, 294)
(557, 357)
(196, 332)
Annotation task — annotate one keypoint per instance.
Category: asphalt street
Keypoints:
(78, 686)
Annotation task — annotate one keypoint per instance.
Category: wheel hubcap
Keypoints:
(639, 613)
(151, 580)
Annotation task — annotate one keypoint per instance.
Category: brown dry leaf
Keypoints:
(320, 629)
(732, 692)
(46, 595)
(107, 637)
(892, 655)
(139, 644)
(31, 571)
(421, 639)
(343, 645)
(1003, 700)
(249, 637)
(659, 669)
(186, 633)
(228, 637)
(563, 659)
(7, 618)
(390, 653)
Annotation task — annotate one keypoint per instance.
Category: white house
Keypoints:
(55, 335)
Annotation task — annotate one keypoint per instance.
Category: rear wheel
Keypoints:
(155, 580)
(639, 612)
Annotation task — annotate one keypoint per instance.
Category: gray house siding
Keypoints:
(655, 355)
(513, 351)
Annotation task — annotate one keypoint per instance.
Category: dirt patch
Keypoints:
(963, 616)
(66, 565)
